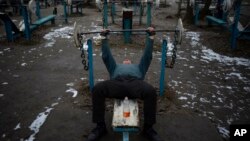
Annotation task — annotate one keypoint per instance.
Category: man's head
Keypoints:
(126, 61)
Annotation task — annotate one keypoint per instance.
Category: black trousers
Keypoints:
(120, 88)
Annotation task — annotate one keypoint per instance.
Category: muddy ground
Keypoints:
(44, 92)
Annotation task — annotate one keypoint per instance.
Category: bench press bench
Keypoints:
(42, 21)
(212, 19)
(125, 125)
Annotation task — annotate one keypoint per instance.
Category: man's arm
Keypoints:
(107, 56)
(147, 55)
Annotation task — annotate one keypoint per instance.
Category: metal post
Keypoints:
(38, 13)
(125, 136)
(135, 6)
(26, 23)
(235, 30)
(65, 12)
(8, 29)
(141, 13)
(163, 58)
(197, 11)
(90, 60)
(149, 14)
(113, 12)
(105, 14)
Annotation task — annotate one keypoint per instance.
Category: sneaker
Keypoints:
(97, 133)
(152, 135)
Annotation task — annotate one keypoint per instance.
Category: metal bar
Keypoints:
(235, 31)
(129, 30)
(65, 11)
(38, 13)
(163, 58)
(90, 60)
(26, 23)
(125, 136)
(105, 14)
(148, 14)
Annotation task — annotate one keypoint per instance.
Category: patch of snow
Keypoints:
(183, 98)
(247, 89)
(210, 55)
(204, 100)
(100, 80)
(71, 90)
(1, 95)
(58, 33)
(38, 122)
(17, 126)
(223, 131)
(5, 83)
(24, 64)
(70, 84)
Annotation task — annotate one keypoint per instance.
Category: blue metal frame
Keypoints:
(163, 58)
(127, 34)
(149, 5)
(113, 11)
(65, 12)
(105, 14)
(235, 31)
(125, 131)
(38, 13)
(90, 61)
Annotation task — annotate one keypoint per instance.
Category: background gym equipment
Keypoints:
(178, 32)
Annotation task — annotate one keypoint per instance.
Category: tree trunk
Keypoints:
(189, 16)
(205, 10)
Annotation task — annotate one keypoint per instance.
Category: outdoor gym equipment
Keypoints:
(12, 31)
(135, 3)
(178, 32)
(122, 124)
(78, 38)
(232, 21)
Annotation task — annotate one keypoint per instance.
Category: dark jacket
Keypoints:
(133, 70)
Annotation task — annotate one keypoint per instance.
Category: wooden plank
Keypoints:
(119, 120)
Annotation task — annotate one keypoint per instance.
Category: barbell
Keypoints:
(178, 31)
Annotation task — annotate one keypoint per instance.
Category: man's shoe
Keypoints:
(152, 135)
(97, 133)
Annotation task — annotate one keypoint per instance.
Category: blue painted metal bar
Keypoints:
(141, 13)
(113, 12)
(125, 136)
(90, 60)
(27, 30)
(235, 31)
(149, 5)
(127, 34)
(163, 58)
(65, 12)
(135, 6)
(105, 14)
(8, 29)
(38, 13)
(126, 129)
(197, 12)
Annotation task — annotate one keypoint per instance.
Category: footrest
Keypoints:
(125, 122)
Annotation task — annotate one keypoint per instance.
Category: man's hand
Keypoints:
(150, 31)
(104, 32)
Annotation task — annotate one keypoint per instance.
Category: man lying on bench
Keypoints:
(126, 81)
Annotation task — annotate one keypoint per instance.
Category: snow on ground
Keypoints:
(219, 95)
(63, 33)
(72, 90)
(39, 121)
